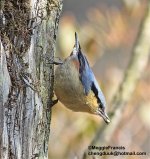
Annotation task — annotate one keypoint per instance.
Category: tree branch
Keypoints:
(134, 71)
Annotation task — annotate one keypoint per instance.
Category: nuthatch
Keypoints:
(76, 86)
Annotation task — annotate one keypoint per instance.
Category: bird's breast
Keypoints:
(69, 89)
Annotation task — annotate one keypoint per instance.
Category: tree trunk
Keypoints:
(27, 40)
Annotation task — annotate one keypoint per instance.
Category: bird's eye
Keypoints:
(101, 109)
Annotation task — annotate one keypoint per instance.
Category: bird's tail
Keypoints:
(77, 44)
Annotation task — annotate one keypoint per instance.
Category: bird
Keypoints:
(76, 86)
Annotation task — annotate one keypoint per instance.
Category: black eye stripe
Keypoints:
(95, 91)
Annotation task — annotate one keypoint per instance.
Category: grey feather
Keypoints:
(88, 79)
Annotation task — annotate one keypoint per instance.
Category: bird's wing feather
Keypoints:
(85, 73)
(88, 79)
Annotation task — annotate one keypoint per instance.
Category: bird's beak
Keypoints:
(104, 116)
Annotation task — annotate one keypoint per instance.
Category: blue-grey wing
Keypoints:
(85, 73)
(88, 79)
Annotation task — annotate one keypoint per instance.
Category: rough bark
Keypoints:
(27, 39)
(138, 62)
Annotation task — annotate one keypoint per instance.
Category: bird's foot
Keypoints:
(53, 102)
(52, 61)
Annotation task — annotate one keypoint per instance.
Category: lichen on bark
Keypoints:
(28, 36)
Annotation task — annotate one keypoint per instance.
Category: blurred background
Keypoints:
(107, 30)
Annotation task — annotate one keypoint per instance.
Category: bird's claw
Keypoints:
(54, 102)
(52, 61)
